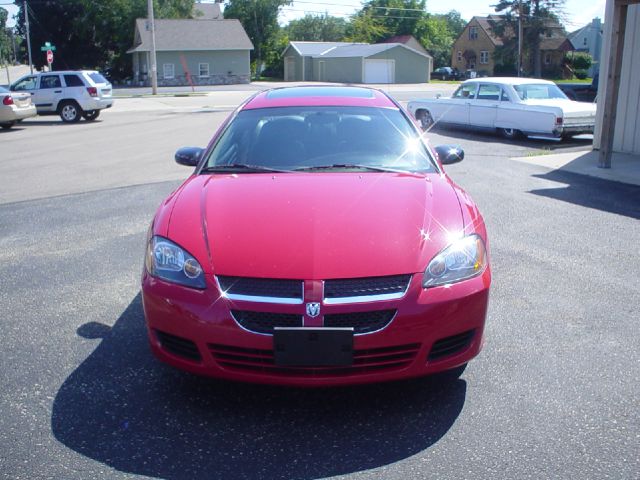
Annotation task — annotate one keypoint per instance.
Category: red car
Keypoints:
(318, 242)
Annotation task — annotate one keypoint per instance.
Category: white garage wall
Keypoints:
(627, 128)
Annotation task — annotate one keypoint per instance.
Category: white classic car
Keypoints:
(512, 106)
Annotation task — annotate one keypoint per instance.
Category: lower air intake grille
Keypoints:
(364, 361)
(179, 346)
(361, 322)
(265, 322)
(450, 345)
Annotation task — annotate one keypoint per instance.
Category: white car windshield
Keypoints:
(538, 91)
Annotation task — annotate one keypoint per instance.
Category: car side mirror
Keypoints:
(189, 156)
(448, 154)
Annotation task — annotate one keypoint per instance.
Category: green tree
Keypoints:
(5, 39)
(260, 20)
(366, 28)
(380, 19)
(539, 17)
(91, 34)
(317, 28)
(438, 32)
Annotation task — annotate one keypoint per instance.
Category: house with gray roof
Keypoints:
(355, 63)
(588, 39)
(192, 52)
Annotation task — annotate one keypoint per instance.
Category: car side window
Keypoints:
(28, 83)
(466, 91)
(50, 81)
(488, 91)
(504, 96)
(73, 81)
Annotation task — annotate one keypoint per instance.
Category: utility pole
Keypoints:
(519, 38)
(154, 66)
(26, 21)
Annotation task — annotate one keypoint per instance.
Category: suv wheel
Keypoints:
(69, 111)
(91, 115)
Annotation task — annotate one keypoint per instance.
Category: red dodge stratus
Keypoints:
(318, 242)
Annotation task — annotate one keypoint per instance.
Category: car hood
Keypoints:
(568, 106)
(315, 225)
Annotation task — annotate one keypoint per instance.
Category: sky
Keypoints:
(577, 14)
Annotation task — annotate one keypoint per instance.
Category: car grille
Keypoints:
(261, 289)
(364, 361)
(361, 322)
(348, 290)
(265, 322)
(450, 345)
(178, 346)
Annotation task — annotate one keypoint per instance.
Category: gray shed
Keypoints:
(356, 63)
(209, 51)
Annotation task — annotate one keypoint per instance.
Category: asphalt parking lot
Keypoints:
(553, 394)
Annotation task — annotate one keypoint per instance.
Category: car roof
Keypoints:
(66, 72)
(509, 80)
(320, 95)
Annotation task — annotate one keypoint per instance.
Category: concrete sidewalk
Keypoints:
(624, 168)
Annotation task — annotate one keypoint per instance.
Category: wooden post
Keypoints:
(618, 27)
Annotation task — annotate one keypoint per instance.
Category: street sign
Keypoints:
(49, 57)
(47, 46)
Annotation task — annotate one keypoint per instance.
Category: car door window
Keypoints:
(28, 83)
(73, 80)
(465, 92)
(488, 91)
(50, 81)
(504, 96)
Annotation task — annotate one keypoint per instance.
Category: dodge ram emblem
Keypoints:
(313, 309)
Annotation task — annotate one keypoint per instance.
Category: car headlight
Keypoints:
(166, 260)
(464, 258)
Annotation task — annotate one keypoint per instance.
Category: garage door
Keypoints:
(379, 71)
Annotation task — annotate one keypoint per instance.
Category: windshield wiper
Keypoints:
(374, 168)
(241, 167)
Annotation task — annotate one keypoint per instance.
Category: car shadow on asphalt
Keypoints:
(600, 194)
(123, 408)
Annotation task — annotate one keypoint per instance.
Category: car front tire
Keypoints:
(91, 115)
(70, 112)
(7, 125)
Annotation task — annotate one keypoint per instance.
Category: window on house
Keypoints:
(473, 33)
(547, 58)
(168, 70)
(203, 69)
(484, 56)
(584, 41)
(459, 57)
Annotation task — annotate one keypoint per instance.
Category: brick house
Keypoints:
(475, 48)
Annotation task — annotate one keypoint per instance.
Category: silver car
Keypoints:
(72, 94)
(14, 107)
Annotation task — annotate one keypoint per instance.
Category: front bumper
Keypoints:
(433, 330)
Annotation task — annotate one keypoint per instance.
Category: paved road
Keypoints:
(553, 395)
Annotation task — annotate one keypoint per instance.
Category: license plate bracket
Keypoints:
(313, 347)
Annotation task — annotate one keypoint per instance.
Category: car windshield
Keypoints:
(538, 91)
(320, 138)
